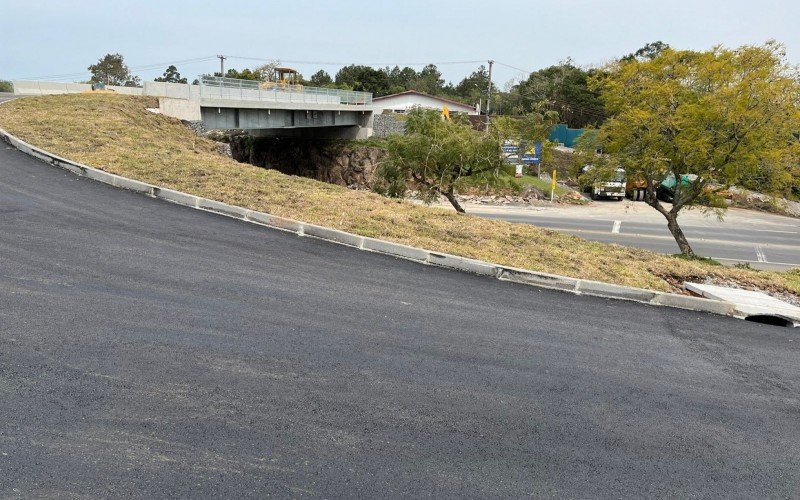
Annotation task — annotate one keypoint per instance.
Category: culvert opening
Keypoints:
(768, 319)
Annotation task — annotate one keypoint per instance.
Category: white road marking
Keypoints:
(617, 224)
(775, 231)
(760, 254)
(790, 264)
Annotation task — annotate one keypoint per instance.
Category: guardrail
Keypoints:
(249, 90)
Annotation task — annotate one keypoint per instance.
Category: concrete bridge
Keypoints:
(226, 103)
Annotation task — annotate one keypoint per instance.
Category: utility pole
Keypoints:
(222, 65)
(489, 95)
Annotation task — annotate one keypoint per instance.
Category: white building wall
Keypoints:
(404, 103)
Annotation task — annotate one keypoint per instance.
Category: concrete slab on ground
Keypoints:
(748, 302)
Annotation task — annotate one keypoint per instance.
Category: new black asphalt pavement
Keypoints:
(151, 350)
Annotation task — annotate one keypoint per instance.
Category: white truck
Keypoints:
(612, 188)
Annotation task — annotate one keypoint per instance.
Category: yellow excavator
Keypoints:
(285, 79)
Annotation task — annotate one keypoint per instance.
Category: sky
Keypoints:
(58, 40)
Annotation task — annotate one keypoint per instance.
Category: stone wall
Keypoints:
(386, 125)
(336, 162)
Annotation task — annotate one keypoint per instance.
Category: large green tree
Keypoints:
(435, 153)
(563, 88)
(364, 79)
(112, 70)
(400, 80)
(429, 80)
(321, 78)
(171, 75)
(473, 88)
(712, 118)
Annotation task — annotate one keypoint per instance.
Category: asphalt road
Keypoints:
(151, 350)
(762, 240)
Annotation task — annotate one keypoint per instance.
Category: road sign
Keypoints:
(529, 159)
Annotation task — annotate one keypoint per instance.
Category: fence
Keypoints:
(211, 88)
(249, 90)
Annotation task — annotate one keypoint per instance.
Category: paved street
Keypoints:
(151, 350)
(764, 241)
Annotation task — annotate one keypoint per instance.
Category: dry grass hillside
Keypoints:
(115, 133)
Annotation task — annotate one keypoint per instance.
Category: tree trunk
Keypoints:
(672, 220)
(677, 233)
(453, 201)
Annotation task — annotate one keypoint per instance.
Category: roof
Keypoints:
(417, 92)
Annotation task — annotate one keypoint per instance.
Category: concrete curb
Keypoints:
(419, 255)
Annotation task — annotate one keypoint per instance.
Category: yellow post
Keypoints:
(553, 186)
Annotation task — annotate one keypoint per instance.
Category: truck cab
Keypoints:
(611, 187)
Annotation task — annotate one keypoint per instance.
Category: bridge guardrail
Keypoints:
(249, 90)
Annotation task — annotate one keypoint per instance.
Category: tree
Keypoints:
(429, 80)
(526, 130)
(649, 52)
(112, 70)
(565, 89)
(6, 86)
(245, 74)
(435, 153)
(268, 72)
(321, 78)
(364, 79)
(171, 75)
(472, 89)
(708, 119)
(400, 80)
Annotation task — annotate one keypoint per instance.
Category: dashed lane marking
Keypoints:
(617, 225)
(760, 254)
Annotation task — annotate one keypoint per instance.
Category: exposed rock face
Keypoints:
(336, 162)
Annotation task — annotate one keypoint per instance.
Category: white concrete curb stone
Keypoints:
(419, 255)
(538, 279)
(326, 233)
(610, 290)
(396, 249)
(464, 264)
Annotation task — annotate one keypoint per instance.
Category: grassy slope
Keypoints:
(116, 134)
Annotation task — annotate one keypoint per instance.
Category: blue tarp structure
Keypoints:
(568, 136)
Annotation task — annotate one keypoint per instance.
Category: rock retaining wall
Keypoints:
(336, 162)
(385, 125)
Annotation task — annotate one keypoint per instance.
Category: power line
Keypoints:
(331, 63)
(63, 76)
(514, 67)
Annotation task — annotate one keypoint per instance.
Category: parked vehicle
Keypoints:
(666, 190)
(613, 187)
(636, 188)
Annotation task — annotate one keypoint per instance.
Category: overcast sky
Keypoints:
(42, 38)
